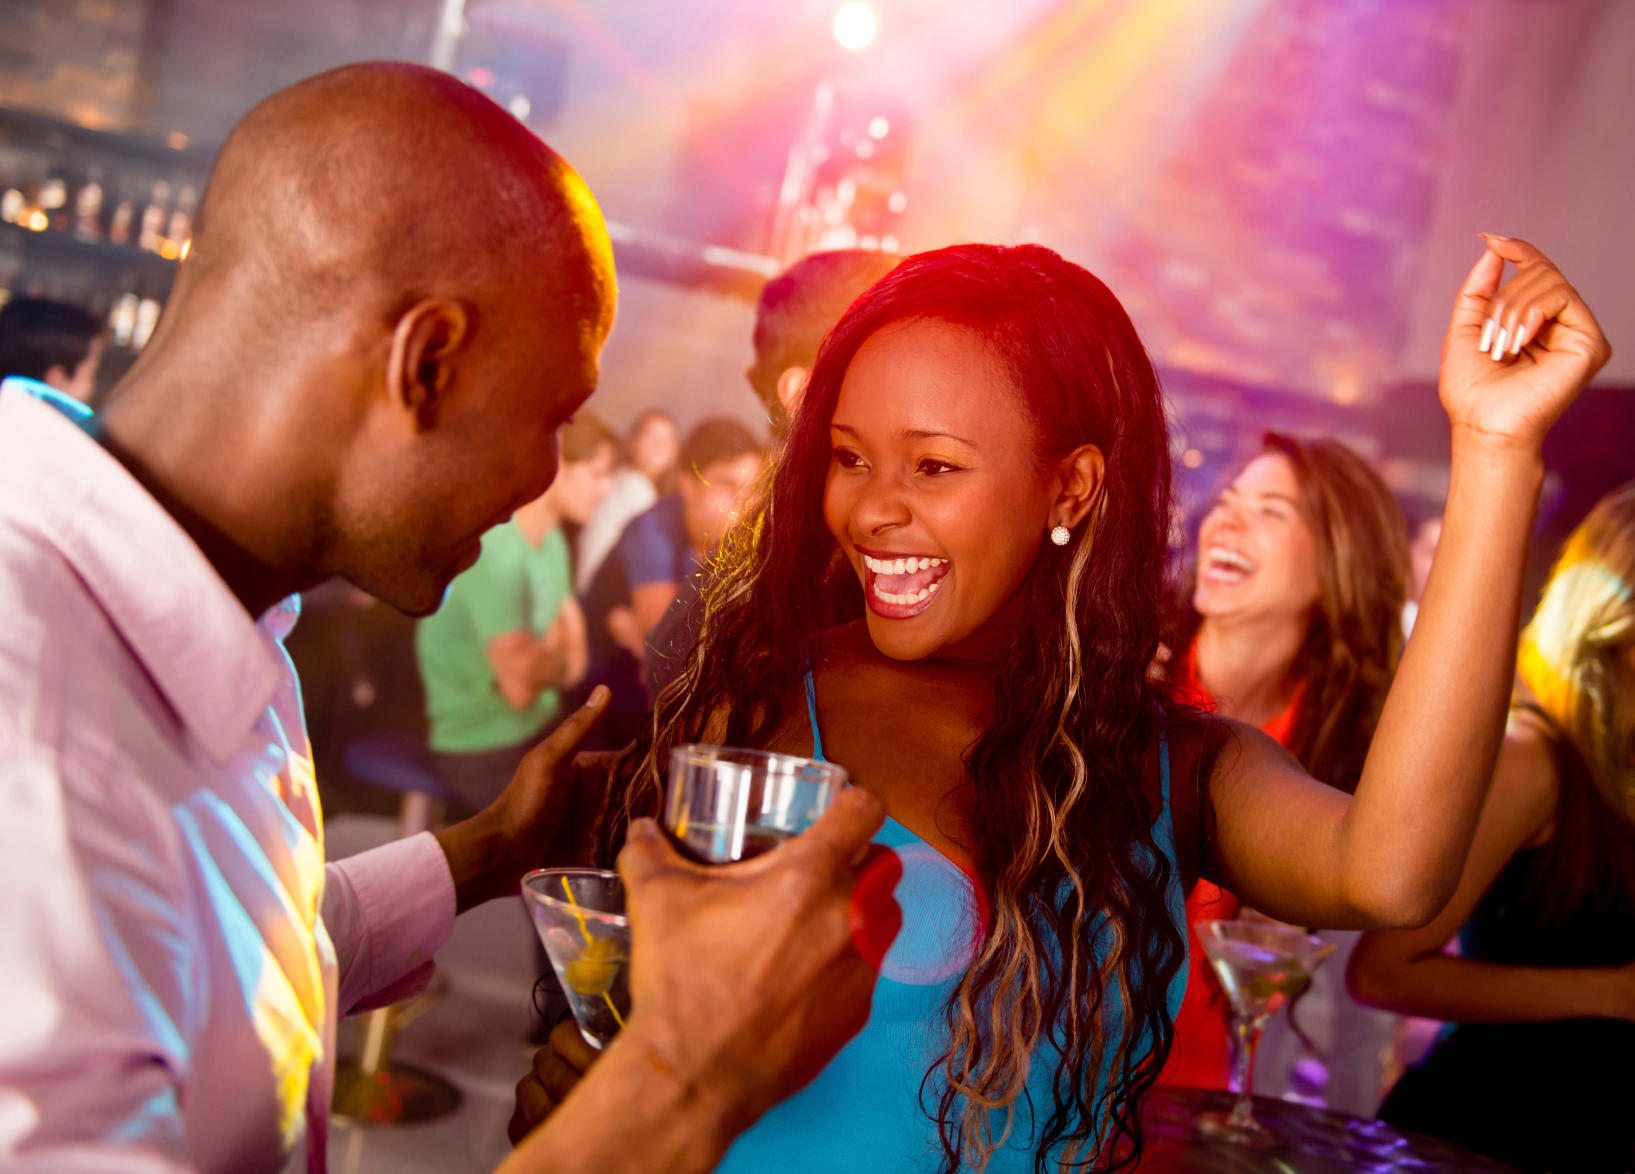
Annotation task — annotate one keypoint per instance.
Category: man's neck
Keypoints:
(189, 473)
(1245, 665)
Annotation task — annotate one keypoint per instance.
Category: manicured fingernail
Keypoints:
(1492, 236)
(1487, 335)
(1499, 344)
(1521, 336)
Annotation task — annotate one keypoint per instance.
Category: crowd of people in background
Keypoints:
(1310, 743)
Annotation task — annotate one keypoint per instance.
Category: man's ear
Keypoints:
(55, 376)
(791, 383)
(420, 367)
(1080, 477)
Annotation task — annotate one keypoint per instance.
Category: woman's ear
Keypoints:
(1079, 479)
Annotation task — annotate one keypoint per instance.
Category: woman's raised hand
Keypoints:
(1515, 356)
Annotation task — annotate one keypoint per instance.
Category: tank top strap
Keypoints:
(817, 734)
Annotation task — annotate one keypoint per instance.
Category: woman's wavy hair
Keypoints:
(1081, 948)
(1354, 634)
(1571, 651)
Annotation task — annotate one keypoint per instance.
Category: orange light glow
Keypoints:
(178, 141)
(37, 220)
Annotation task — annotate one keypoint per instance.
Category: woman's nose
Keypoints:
(881, 505)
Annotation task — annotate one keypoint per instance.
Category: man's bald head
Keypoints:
(379, 183)
(396, 294)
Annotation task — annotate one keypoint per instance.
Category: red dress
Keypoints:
(1201, 1056)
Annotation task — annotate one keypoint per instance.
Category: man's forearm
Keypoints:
(631, 1114)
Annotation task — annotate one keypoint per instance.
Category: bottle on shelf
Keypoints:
(119, 224)
(88, 207)
(147, 317)
(122, 319)
(151, 234)
(12, 204)
(53, 200)
(180, 231)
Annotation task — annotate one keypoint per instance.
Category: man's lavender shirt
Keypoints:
(173, 951)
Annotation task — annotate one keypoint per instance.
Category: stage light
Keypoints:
(855, 25)
(879, 128)
(1192, 458)
(897, 201)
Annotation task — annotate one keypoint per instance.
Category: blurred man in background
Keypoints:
(656, 555)
(55, 345)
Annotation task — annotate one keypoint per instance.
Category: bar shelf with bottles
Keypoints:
(95, 218)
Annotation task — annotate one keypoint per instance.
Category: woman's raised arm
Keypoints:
(1392, 854)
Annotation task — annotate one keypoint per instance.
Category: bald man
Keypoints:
(395, 296)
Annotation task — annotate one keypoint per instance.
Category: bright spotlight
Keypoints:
(879, 128)
(855, 25)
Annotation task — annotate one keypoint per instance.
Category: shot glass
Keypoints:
(724, 804)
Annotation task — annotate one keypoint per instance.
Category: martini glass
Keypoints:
(1261, 965)
(724, 804)
(579, 913)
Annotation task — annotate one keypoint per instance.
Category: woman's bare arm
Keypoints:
(1392, 855)
(1408, 970)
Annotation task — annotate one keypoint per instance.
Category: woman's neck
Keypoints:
(1246, 666)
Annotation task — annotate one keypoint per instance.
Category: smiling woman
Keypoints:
(893, 603)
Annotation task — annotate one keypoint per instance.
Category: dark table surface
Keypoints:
(1313, 1141)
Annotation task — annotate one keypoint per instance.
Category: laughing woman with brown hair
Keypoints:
(1293, 624)
(951, 587)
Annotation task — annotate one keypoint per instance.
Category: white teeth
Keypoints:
(901, 566)
(1222, 556)
(907, 599)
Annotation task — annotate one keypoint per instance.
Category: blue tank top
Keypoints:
(866, 1111)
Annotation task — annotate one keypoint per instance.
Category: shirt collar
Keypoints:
(189, 631)
(45, 393)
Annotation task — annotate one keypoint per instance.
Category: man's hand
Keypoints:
(745, 981)
(748, 978)
(489, 853)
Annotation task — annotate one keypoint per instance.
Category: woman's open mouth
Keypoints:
(900, 587)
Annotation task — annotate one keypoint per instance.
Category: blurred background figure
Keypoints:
(1535, 1068)
(651, 448)
(52, 343)
(655, 555)
(1293, 624)
(510, 636)
(796, 309)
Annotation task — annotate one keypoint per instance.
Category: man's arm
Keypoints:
(704, 1053)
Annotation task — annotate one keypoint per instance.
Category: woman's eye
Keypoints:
(847, 459)
(934, 467)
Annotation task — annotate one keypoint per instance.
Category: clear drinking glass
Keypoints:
(579, 913)
(1261, 965)
(724, 804)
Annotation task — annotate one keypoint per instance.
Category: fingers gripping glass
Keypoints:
(725, 804)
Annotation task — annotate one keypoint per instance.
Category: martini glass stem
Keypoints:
(1246, 1034)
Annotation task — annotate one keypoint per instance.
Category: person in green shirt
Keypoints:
(509, 635)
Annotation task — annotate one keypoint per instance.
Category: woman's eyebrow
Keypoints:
(911, 433)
